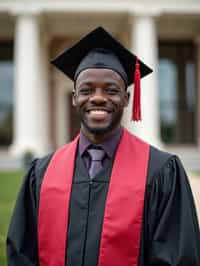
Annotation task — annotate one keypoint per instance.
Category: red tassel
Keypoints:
(136, 113)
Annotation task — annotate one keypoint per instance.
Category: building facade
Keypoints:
(35, 99)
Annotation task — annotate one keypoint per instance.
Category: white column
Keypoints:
(144, 45)
(198, 90)
(31, 129)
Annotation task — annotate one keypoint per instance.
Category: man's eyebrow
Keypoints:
(89, 83)
(112, 83)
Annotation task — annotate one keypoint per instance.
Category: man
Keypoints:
(107, 198)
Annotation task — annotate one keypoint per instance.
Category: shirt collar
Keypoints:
(108, 145)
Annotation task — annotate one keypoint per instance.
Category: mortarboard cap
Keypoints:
(99, 49)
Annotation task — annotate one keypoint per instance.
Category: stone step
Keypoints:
(8, 162)
(189, 158)
(195, 185)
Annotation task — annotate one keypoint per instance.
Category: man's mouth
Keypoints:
(98, 114)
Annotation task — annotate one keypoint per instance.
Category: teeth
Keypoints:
(98, 112)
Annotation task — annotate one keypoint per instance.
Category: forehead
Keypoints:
(99, 74)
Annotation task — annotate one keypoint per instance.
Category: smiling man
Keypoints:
(107, 198)
(100, 97)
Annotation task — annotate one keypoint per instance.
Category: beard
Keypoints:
(114, 123)
(96, 130)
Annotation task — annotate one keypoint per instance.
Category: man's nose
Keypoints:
(98, 97)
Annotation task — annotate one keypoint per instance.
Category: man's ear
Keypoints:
(127, 98)
(73, 97)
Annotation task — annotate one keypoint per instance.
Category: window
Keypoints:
(177, 87)
(6, 93)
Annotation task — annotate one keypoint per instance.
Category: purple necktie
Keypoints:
(96, 156)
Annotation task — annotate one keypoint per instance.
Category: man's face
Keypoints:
(100, 97)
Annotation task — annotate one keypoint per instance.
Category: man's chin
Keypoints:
(98, 130)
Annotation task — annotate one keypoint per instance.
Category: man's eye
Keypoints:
(85, 91)
(112, 91)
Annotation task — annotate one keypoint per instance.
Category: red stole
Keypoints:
(121, 232)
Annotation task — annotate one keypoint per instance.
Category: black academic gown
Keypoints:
(170, 233)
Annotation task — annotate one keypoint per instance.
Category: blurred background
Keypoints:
(36, 115)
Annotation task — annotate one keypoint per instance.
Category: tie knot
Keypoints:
(96, 154)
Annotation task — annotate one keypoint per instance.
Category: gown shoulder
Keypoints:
(171, 219)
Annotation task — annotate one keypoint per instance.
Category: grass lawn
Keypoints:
(9, 186)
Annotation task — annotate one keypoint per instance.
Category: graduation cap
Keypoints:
(99, 49)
